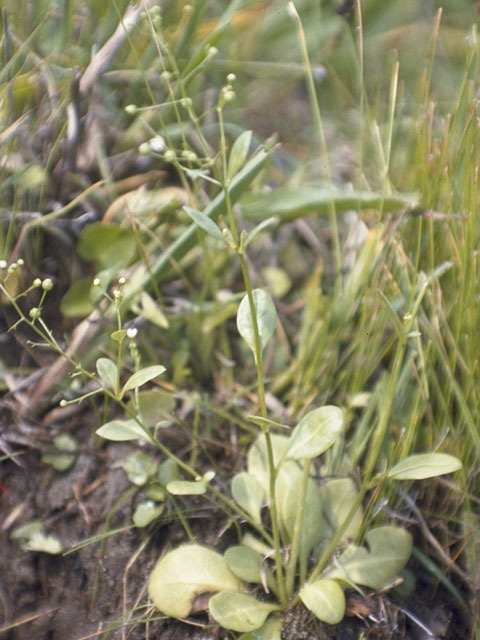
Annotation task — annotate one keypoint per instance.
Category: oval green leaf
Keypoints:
(205, 223)
(146, 512)
(245, 563)
(239, 612)
(424, 465)
(315, 433)
(249, 494)
(325, 599)
(141, 377)
(186, 572)
(187, 488)
(122, 430)
(266, 319)
(239, 153)
(108, 372)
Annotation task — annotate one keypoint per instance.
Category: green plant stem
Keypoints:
(258, 363)
(297, 531)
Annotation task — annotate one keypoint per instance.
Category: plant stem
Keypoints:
(297, 531)
(258, 362)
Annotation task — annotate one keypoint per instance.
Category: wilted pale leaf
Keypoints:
(389, 551)
(186, 572)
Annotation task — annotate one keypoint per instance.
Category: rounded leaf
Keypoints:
(146, 512)
(239, 612)
(245, 563)
(266, 318)
(249, 494)
(424, 465)
(185, 573)
(325, 599)
(315, 433)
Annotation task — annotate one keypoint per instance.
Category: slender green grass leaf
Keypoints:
(289, 203)
(325, 599)
(239, 612)
(186, 572)
(424, 465)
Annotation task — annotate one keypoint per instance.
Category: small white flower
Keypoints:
(132, 332)
(157, 144)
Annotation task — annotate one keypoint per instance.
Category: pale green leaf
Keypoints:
(266, 319)
(139, 378)
(154, 405)
(205, 223)
(245, 563)
(257, 459)
(152, 312)
(289, 203)
(424, 465)
(239, 612)
(287, 487)
(122, 430)
(249, 494)
(278, 280)
(185, 573)
(239, 153)
(325, 599)
(187, 488)
(139, 467)
(63, 456)
(32, 537)
(271, 630)
(315, 433)
(146, 512)
(389, 551)
(338, 496)
(108, 372)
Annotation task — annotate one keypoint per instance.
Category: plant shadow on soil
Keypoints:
(52, 597)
